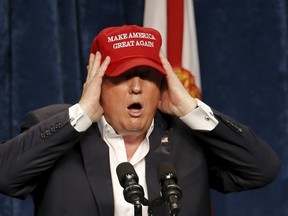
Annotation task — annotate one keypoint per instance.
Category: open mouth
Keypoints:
(135, 106)
(135, 110)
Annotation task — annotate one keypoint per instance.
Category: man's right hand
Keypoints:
(90, 98)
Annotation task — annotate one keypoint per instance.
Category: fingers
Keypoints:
(90, 65)
(103, 67)
(94, 63)
(166, 65)
(95, 68)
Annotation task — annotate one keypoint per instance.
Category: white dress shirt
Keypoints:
(117, 155)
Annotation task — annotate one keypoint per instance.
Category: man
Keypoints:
(132, 109)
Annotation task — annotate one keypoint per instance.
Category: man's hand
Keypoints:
(90, 99)
(175, 99)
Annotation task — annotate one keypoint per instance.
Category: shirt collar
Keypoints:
(107, 130)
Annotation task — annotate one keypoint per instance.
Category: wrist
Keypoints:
(189, 105)
(91, 112)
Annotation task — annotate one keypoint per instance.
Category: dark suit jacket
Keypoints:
(68, 172)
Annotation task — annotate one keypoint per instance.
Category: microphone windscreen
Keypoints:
(124, 169)
(165, 168)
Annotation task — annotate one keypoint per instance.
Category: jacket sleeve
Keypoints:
(30, 154)
(238, 159)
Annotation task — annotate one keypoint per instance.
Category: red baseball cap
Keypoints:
(129, 46)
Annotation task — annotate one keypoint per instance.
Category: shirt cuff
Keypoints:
(78, 118)
(201, 118)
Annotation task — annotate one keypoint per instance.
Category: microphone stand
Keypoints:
(137, 208)
(156, 202)
(174, 209)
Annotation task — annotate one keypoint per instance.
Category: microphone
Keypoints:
(128, 178)
(171, 193)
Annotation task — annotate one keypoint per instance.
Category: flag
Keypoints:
(174, 19)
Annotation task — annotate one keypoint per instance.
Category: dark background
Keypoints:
(44, 48)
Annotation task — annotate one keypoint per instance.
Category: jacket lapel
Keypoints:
(159, 152)
(96, 160)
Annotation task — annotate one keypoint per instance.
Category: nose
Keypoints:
(135, 85)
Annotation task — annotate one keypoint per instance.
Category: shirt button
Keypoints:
(128, 209)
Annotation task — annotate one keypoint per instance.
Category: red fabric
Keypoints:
(175, 18)
(129, 46)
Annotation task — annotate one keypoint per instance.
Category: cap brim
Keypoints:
(120, 67)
